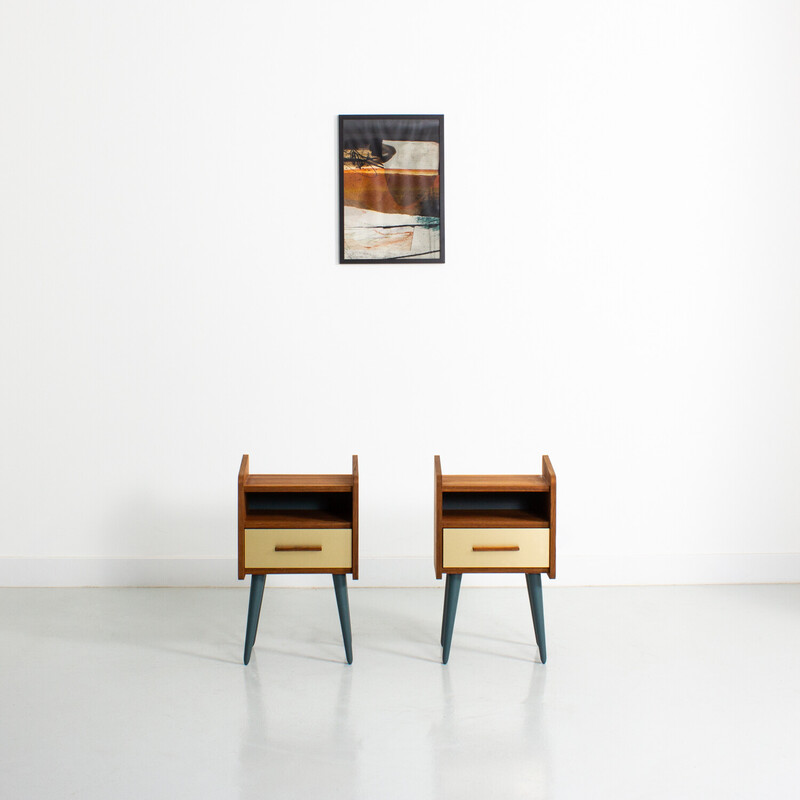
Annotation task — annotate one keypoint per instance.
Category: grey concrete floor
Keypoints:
(651, 692)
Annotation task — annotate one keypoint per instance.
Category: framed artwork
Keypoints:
(391, 189)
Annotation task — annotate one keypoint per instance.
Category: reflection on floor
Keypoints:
(658, 692)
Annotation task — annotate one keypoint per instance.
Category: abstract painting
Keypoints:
(391, 198)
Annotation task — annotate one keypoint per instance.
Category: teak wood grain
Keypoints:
(301, 571)
(244, 470)
(438, 545)
(495, 483)
(295, 519)
(298, 483)
(298, 548)
(549, 473)
(460, 570)
(499, 518)
(507, 548)
(355, 519)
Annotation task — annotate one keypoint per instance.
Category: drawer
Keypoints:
(493, 548)
(297, 548)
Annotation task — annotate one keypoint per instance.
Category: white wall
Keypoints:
(621, 288)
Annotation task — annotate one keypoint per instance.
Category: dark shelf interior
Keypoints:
(495, 510)
(299, 509)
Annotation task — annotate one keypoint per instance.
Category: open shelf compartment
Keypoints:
(270, 509)
(495, 510)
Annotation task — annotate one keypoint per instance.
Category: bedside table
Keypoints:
(297, 524)
(494, 523)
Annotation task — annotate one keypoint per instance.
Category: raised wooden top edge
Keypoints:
(298, 483)
(547, 470)
(495, 483)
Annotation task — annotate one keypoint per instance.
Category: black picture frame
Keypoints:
(391, 167)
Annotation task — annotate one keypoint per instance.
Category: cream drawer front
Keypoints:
(488, 548)
(270, 548)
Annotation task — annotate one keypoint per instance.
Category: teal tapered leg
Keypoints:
(534, 581)
(253, 614)
(444, 611)
(340, 587)
(451, 589)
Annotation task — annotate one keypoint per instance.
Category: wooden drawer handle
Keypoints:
(292, 548)
(499, 548)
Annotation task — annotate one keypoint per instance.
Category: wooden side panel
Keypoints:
(244, 471)
(355, 518)
(437, 517)
(549, 473)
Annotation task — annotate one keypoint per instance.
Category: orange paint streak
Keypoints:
(414, 192)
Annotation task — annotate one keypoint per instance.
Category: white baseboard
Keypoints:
(573, 570)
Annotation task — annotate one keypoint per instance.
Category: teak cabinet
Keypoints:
(297, 524)
(494, 523)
